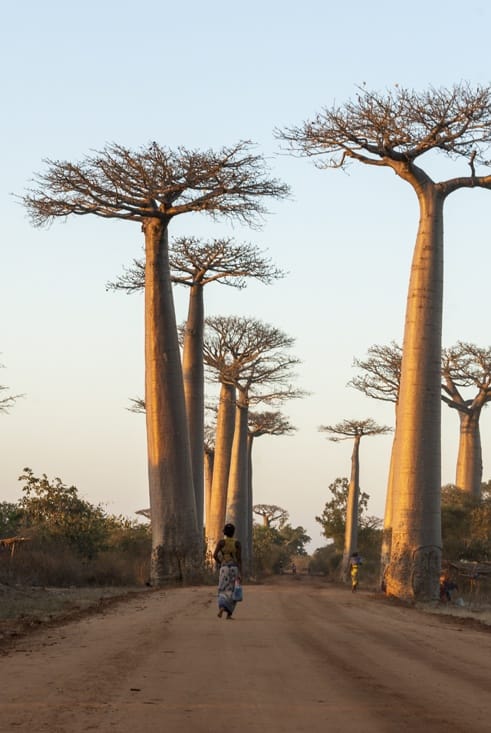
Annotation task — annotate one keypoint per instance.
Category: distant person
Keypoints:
(228, 556)
(294, 569)
(354, 565)
(446, 588)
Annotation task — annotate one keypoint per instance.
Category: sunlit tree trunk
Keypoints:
(208, 462)
(250, 501)
(237, 492)
(387, 526)
(193, 375)
(415, 560)
(175, 535)
(221, 467)
(469, 460)
(351, 530)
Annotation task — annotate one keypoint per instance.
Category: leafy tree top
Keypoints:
(333, 517)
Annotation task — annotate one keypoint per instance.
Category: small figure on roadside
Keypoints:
(294, 569)
(228, 556)
(354, 564)
(446, 588)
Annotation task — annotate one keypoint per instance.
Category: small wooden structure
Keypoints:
(11, 542)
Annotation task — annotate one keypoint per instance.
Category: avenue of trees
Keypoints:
(253, 364)
(150, 187)
(250, 361)
(463, 366)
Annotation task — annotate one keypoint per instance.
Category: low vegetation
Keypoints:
(53, 537)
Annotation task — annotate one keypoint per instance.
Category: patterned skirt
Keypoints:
(226, 583)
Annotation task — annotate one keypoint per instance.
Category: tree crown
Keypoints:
(354, 429)
(252, 356)
(399, 126)
(196, 262)
(154, 182)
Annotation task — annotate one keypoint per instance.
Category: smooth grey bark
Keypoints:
(175, 536)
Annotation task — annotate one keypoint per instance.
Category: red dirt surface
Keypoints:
(298, 656)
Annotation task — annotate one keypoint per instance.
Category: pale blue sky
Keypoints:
(74, 77)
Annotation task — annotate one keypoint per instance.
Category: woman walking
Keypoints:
(228, 556)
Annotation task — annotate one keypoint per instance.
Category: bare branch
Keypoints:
(154, 181)
(381, 372)
(196, 262)
(397, 127)
(353, 429)
(252, 356)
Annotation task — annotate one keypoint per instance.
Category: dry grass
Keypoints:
(23, 608)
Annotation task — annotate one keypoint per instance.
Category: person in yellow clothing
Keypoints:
(354, 564)
(228, 557)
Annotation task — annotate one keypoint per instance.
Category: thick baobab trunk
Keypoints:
(223, 446)
(250, 502)
(237, 491)
(351, 529)
(387, 527)
(208, 462)
(413, 573)
(193, 375)
(469, 460)
(175, 536)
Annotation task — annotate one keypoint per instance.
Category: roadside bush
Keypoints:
(10, 519)
(325, 561)
(68, 541)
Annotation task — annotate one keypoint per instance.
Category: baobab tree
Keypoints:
(270, 513)
(380, 378)
(208, 461)
(353, 430)
(195, 263)
(395, 130)
(150, 186)
(270, 422)
(252, 357)
(463, 366)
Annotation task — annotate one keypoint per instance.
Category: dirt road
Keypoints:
(296, 658)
